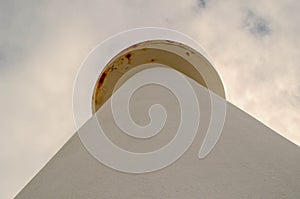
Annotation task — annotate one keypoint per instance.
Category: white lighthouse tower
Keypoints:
(229, 155)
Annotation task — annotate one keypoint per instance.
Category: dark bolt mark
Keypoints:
(187, 53)
(134, 46)
(170, 41)
(152, 60)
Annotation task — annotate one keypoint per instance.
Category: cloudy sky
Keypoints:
(254, 44)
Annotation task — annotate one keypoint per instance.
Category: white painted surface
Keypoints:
(249, 161)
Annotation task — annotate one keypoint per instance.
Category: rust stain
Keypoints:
(101, 80)
(128, 56)
(112, 68)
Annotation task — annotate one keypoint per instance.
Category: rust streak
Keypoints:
(101, 80)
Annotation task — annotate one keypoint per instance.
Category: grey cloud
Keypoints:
(202, 3)
(19, 30)
(256, 24)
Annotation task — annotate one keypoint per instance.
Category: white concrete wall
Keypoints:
(249, 161)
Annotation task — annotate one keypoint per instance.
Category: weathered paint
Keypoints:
(169, 53)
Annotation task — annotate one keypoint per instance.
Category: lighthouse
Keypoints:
(153, 122)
